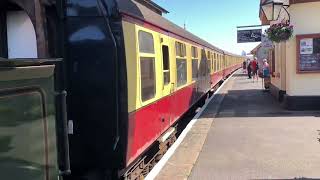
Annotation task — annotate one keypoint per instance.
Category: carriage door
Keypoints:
(166, 82)
(165, 65)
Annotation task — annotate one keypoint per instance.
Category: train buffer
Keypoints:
(244, 133)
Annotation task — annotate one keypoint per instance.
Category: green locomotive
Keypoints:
(29, 104)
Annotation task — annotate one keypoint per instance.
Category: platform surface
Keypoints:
(245, 134)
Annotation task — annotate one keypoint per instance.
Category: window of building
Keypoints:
(166, 65)
(181, 72)
(147, 66)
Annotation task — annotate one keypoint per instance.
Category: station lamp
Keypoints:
(272, 9)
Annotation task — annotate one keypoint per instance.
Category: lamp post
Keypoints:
(272, 9)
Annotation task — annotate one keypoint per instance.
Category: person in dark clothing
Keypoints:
(249, 70)
(244, 66)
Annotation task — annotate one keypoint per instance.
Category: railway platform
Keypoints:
(244, 133)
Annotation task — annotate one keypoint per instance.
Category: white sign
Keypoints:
(306, 46)
(266, 43)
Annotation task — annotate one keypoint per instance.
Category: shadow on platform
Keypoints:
(253, 103)
(240, 75)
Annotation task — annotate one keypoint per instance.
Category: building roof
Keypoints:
(153, 6)
(254, 51)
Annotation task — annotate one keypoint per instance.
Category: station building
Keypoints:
(295, 63)
(261, 52)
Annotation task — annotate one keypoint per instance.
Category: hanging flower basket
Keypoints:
(280, 32)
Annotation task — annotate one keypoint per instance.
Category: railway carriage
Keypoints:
(130, 75)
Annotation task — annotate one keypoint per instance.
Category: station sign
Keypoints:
(266, 42)
(249, 35)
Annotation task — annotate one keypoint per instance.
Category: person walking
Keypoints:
(255, 68)
(266, 66)
(244, 66)
(249, 69)
(266, 74)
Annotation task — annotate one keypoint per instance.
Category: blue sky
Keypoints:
(215, 20)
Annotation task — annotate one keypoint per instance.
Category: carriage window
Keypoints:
(166, 65)
(195, 63)
(209, 66)
(181, 72)
(19, 112)
(194, 52)
(212, 64)
(146, 44)
(221, 62)
(147, 66)
(215, 65)
(195, 69)
(226, 61)
(148, 82)
(21, 40)
(180, 49)
(181, 62)
(218, 62)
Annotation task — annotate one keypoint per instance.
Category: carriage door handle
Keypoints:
(172, 88)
